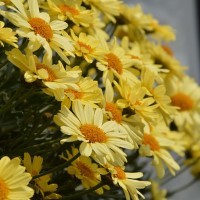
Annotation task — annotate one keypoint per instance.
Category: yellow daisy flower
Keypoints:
(86, 46)
(110, 8)
(84, 169)
(42, 186)
(130, 125)
(7, 36)
(70, 10)
(99, 139)
(115, 62)
(158, 146)
(37, 27)
(52, 76)
(134, 97)
(185, 94)
(127, 182)
(14, 180)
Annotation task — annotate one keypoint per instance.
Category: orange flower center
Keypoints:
(71, 10)
(85, 47)
(41, 27)
(76, 94)
(151, 141)
(114, 62)
(168, 50)
(3, 190)
(116, 113)
(93, 133)
(120, 173)
(85, 170)
(183, 101)
(51, 74)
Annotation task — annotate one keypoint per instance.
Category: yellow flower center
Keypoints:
(3, 190)
(116, 113)
(71, 10)
(51, 74)
(85, 170)
(41, 27)
(77, 94)
(114, 62)
(120, 173)
(93, 133)
(151, 141)
(183, 101)
(84, 46)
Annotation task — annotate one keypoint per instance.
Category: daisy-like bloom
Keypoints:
(185, 94)
(70, 10)
(115, 62)
(157, 147)
(162, 58)
(40, 184)
(99, 139)
(52, 76)
(86, 46)
(157, 193)
(85, 90)
(14, 180)
(85, 170)
(158, 92)
(134, 97)
(131, 125)
(37, 27)
(127, 181)
(110, 8)
(7, 36)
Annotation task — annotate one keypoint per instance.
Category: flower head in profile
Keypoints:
(158, 146)
(39, 29)
(70, 10)
(41, 185)
(7, 35)
(53, 76)
(127, 181)
(14, 180)
(157, 192)
(84, 169)
(99, 139)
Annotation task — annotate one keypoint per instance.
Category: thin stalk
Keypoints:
(58, 167)
(80, 194)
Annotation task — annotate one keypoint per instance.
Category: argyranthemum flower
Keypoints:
(127, 182)
(70, 10)
(135, 97)
(39, 29)
(41, 184)
(185, 94)
(52, 76)
(14, 180)
(130, 125)
(115, 62)
(99, 138)
(85, 170)
(110, 8)
(153, 144)
(86, 46)
(7, 36)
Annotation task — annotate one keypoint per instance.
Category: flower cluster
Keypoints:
(93, 102)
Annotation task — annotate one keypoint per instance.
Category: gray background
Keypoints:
(181, 15)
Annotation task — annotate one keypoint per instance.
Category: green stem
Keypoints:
(80, 194)
(58, 167)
